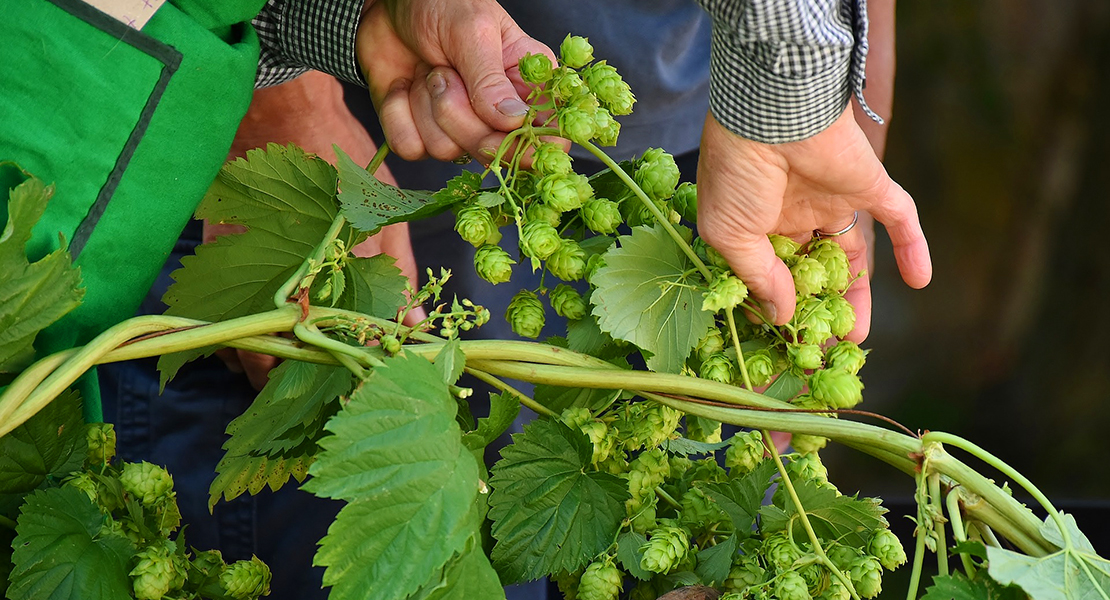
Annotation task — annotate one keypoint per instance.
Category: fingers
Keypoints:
(437, 142)
(855, 246)
(896, 211)
(753, 260)
(397, 121)
(453, 114)
(479, 55)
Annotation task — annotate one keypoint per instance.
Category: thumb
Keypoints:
(752, 258)
(484, 58)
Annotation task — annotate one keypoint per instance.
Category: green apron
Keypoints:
(132, 127)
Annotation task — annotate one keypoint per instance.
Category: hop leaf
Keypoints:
(836, 387)
(539, 239)
(567, 302)
(246, 579)
(525, 314)
(551, 159)
(601, 215)
(725, 293)
(717, 367)
(475, 225)
(887, 549)
(846, 355)
(666, 548)
(535, 68)
(147, 482)
(806, 356)
(809, 276)
(568, 262)
(102, 443)
(745, 453)
(576, 52)
(493, 264)
(685, 201)
(657, 174)
(601, 581)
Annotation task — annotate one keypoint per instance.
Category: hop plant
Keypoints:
(568, 583)
(551, 159)
(843, 556)
(647, 471)
(666, 548)
(809, 466)
(102, 443)
(816, 577)
(576, 52)
(657, 423)
(83, 481)
(657, 174)
(685, 201)
(539, 239)
(847, 356)
(475, 225)
(567, 302)
(744, 453)
(745, 573)
(535, 68)
(148, 483)
(808, 444)
(493, 264)
(577, 125)
(568, 261)
(843, 316)
(642, 514)
(699, 512)
(718, 367)
(601, 215)
(538, 211)
(760, 366)
(785, 248)
(832, 258)
(816, 320)
(809, 276)
(791, 586)
(606, 128)
(806, 356)
(246, 579)
(561, 191)
(887, 549)
(836, 591)
(867, 576)
(158, 571)
(780, 552)
(601, 581)
(725, 292)
(604, 81)
(569, 86)
(525, 314)
(836, 387)
(712, 343)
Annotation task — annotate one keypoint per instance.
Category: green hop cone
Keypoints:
(158, 571)
(760, 366)
(602, 442)
(685, 201)
(493, 264)
(391, 344)
(642, 513)
(791, 586)
(836, 387)
(780, 552)
(593, 264)
(551, 159)
(744, 453)
(656, 424)
(718, 367)
(745, 573)
(867, 576)
(807, 444)
(699, 512)
(887, 549)
(847, 356)
(525, 314)
(785, 248)
(147, 482)
(475, 225)
(246, 579)
(657, 174)
(712, 343)
(577, 125)
(568, 86)
(832, 257)
(576, 416)
(83, 481)
(816, 576)
(601, 215)
(102, 443)
(567, 302)
(564, 192)
(806, 356)
(809, 276)
(836, 591)
(710, 255)
(703, 430)
(535, 68)
(843, 556)
(568, 583)
(607, 129)
(666, 548)
(725, 292)
(539, 239)
(843, 316)
(568, 261)
(604, 81)
(809, 466)
(647, 471)
(816, 323)
(576, 52)
(601, 581)
(538, 211)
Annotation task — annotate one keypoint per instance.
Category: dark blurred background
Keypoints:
(1000, 129)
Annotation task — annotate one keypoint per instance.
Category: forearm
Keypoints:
(879, 73)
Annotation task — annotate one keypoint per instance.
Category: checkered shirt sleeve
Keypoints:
(298, 35)
(783, 70)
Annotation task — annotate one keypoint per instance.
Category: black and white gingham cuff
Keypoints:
(298, 35)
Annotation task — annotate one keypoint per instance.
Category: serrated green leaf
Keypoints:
(848, 519)
(971, 548)
(253, 473)
(465, 577)
(293, 380)
(959, 587)
(459, 188)
(286, 199)
(607, 184)
(549, 512)
(396, 454)
(7, 536)
(630, 552)
(584, 335)
(60, 553)
(369, 204)
(50, 444)
(785, 387)
(503, 410)
(375, 286)
(450, 361)
(741, 498)
(715, 562)
(32, 295)
(649, 294)
(1073, 573)
(685, 447)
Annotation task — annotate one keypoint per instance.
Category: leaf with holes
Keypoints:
(369, 204)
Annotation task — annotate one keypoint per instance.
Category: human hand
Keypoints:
(747, 190)
(443, 75)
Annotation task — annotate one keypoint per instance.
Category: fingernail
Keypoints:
(436, 84)
(769, 311)
(511, 107)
